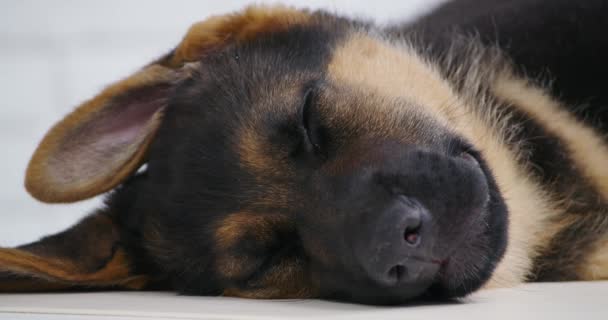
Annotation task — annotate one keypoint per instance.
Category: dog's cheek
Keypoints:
(288, 279)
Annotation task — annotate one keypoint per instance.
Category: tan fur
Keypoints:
(396, 70)
(390, 71)
(50, 272)
(287, 280)
(256, 153)
(252, 150)
(595, 266)
(587, 149)
(284, 280)
(214, 32)
(235, 225)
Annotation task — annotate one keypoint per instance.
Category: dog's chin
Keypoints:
(468, 268)
(453, 281)
(450, 284)
(473, 262)
(384, 296)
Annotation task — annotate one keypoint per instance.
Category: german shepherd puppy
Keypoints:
(299, 154)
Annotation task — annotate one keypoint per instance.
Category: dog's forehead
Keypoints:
(265, 72)
(391, 69)
(247, 90)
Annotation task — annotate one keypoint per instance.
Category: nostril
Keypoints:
(396, 273)
(412, 235)
(412, 214)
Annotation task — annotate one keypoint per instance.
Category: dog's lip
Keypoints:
(432, 260)
(443, 264)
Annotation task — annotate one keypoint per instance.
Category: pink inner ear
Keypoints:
(124, 121)
(100, 146)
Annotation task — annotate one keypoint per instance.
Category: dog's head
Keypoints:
(289, 154)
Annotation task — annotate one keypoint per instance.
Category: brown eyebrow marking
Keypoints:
(422, 85)
(235, 225)
(231, 230)
(287, 280)
(256, 152)
(251, 151)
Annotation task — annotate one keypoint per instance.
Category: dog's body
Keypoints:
(556, 47)
(284, 147)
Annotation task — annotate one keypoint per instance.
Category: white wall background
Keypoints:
(55, 54)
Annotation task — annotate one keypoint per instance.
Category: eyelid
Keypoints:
(310, 123)
(306, 110)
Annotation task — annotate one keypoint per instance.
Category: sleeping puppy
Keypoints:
(283, 153)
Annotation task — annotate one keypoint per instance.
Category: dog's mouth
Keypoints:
(422, 224)
(471, 263)
(471, 260)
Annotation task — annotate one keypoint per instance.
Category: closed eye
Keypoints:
(310, 125)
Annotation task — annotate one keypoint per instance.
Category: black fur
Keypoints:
(259, 130)
(195, 177)
(559, 43)
(560, 40)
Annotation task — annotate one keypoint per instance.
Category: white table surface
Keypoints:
(575, 300)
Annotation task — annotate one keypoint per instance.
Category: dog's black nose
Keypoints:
(397, 250)
(407, 211)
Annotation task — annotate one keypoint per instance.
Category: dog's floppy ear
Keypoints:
(103, 141)
(88, 255)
